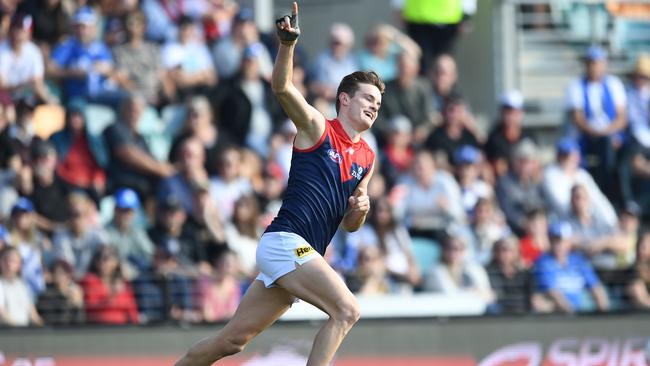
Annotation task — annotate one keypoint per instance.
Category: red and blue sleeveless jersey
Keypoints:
(321, 180)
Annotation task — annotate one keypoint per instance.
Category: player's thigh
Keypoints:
(318, 284)
(259, 308)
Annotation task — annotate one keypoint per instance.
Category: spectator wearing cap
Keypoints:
(130, 161)
(62, 301)
(164, 292)
(383, 45)
(510, 281)
(21, 62)
(397, 154)
(168, 228)
(83, 63)
(188, 61)
(520, 190)
(248, 105)
(228, 52)
(563, 276)
(507, 131)
(467, 159)
(432, 201)
(16, 302)
(454, 274)
(597, 105)
(80, 157)
(46, 190)
(78, 240)
(139, 64)
(564, 174)
(454, 131)
(134, 248)
(31, 244)
(409, 95)
(334, 63)
(190, 163)
(200, 123)
(638, 288)
(638, 100)
(597, 238)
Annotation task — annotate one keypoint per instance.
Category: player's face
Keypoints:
(364, 107)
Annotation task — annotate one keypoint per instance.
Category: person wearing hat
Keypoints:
(21, 61)
(560, 177)
(228, 52)
(31, 244)
(188, 60)
(507, 131)
(168, 225)
(520, 189)
(332, 64)
(597, 105)
(466, 160)
(133, 245)
(638, 100)
(563, 276)
(83, 62)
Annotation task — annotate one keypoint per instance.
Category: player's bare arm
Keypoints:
(358, 205)
(309, 122)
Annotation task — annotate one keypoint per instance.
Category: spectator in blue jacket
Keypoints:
(563, 276)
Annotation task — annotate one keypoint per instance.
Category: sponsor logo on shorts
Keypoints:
(335, 156)
(303, 251)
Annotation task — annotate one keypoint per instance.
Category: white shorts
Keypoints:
(279, 252)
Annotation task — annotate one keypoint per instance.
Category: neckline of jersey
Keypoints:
(336, 124)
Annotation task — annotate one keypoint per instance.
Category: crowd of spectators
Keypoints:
(142, 154)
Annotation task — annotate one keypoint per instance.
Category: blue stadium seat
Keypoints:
(426, 253)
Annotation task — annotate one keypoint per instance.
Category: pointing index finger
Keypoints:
(295, 8)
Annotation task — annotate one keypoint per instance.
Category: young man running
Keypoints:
(328, 181)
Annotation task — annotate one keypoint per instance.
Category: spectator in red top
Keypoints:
(79, 157)
(107, 295)
(535, 241)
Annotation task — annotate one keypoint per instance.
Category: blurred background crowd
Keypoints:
(142, 154)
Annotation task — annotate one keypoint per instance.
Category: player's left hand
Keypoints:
(288, 27)
(359, 202)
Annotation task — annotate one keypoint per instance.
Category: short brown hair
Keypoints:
(350, 83)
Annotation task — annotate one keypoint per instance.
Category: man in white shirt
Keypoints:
(561, 177)
(597, 103)
(21, 62)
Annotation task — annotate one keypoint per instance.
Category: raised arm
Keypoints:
(309, 122)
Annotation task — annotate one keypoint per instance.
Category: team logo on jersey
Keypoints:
(303, 251)
(356, 171)
(335, 156)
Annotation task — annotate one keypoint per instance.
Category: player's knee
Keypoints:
(347, 312)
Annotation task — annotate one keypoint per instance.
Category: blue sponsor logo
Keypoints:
(356, 171)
